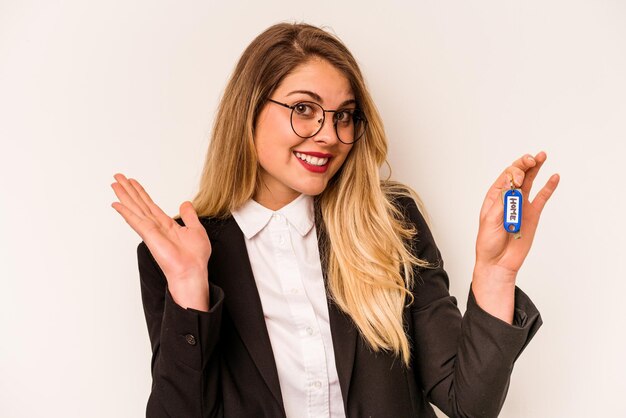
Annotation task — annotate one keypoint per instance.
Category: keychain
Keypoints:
(513, 211)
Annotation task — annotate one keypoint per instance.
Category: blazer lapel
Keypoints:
(342, 328)
(231, 270)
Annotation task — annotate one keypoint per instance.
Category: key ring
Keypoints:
(513, 210)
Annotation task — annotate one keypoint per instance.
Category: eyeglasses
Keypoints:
(307, 119)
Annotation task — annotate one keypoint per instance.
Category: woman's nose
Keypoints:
(327, 132)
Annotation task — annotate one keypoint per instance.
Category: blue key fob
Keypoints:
(513, 210)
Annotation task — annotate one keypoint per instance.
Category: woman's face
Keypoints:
(284, 175)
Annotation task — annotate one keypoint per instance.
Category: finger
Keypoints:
(494, 214)
(511, 173)
(152, 207)
(525, 162)
(518, 169)
(515, 171)
(189, 215)
(495, 192)
(531, 174)
(131, 219)
(516, 174)
(544, 194)
(125, 199)
(133, 194)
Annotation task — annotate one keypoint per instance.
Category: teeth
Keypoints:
(312, 160)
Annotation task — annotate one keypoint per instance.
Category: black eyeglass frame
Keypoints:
(361, 117)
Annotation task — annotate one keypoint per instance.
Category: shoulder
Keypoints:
(411, 211)
(407, 201)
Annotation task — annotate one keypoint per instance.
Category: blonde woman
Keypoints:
(298, 284)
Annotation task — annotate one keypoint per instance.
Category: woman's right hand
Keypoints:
(182, 252)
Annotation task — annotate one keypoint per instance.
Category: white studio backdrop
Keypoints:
(88, 89)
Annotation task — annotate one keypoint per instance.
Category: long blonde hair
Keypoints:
(370, 263)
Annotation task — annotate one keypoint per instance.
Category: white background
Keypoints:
(91, 88)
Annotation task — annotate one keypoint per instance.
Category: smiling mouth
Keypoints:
(316, 161)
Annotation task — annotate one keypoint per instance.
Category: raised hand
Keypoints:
(182, 252)
(499, 255)
(494, 245)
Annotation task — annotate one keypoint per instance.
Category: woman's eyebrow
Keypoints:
(346, 102)
(318, 98)
(308, 93)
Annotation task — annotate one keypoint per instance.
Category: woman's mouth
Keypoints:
(311, 163)
(318, 161)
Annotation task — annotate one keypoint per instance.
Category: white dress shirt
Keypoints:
(284, 255)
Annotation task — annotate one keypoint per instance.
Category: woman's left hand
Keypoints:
(499, 255)
(496, 249)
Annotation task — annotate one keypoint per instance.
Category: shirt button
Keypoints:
(309, 330)
(294, 291)
(281, 240)
(317, 384)
(191, 340)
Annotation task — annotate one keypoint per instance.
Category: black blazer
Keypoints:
(220, 363)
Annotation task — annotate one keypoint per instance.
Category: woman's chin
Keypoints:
(313, 189)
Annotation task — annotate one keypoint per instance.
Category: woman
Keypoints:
(326, 294)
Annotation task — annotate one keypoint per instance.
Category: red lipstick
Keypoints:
(315, 154)
(311, 167)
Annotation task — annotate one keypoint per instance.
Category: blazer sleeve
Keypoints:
(463, 363)
(185, 365)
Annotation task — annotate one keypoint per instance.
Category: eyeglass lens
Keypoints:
(307, 119)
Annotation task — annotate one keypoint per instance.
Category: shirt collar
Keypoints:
(252, 216)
